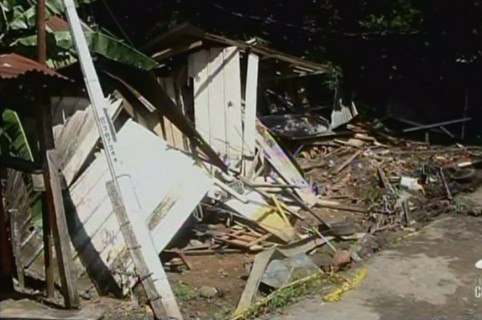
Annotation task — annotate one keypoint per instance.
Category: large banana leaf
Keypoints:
(20, 14)
(100, 43)
(16, 142)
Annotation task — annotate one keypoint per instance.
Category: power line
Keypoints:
(309, 29)
(119, 26)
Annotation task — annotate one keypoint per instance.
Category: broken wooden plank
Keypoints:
(86, 143)
(383, 178)
(167, 53)
(338, 206)
(257, 209)
(199, 72)
(347, 162)
(172, 134)
(282, 164)
(217, 109)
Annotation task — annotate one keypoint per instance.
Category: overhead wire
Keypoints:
(117, 23)
(308, 29)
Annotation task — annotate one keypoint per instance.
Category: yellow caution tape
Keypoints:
(334, 295)
(347, 285)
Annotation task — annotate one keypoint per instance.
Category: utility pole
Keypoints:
(124, 200)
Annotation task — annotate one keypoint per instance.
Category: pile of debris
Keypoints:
(218, 193)
(371, 187)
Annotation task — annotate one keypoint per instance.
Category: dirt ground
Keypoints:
(226, 273)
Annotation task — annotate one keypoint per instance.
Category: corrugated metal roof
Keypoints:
(13, 65)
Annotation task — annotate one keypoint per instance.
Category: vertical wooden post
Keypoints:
(46, 213)
(41, 35)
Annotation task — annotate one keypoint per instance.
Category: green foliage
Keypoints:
(184, 292)
(13, 139)
(18, 31)
(15, 142)
(395, 17)
(99, 42)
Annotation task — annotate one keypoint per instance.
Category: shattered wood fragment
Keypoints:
(338, 206)
(383, 178)
(445, 184)
(269, 199)
(282, 164)
(364, 137)
(348, 162)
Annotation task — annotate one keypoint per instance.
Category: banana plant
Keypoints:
(16, 142)
(18, 33)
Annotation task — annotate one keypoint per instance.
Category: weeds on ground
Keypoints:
(184, 292)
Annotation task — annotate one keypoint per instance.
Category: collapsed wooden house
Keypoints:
(189, 134)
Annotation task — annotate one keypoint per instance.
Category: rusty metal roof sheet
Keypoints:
(57, 24)
(13, 66)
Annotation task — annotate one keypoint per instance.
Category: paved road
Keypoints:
(429, 276)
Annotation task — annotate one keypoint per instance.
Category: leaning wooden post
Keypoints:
(61, 235)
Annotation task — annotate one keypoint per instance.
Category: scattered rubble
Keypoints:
(232, 213)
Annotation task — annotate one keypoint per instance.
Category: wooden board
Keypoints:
(232, 103)
(65, 107)
(199, 72)
(81, 141)
(168, 183)
(172, 135)
(217, 110)
(249, 119)
(283, 165)
(217, 99)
